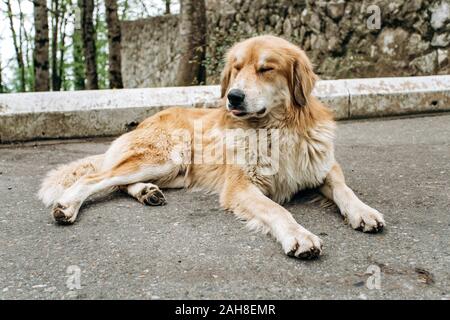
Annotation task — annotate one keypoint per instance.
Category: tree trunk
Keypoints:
(88, 35)
(77, 52)
(56, 83)
(167, 7)
(114, 39)
(17, 48)
(25, 44)
(41, 47)
(2, 90)
(192, 43)
(62, 45)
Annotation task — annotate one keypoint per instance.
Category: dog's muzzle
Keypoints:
(236, 102)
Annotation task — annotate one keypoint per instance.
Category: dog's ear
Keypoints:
(303, 79)
(225, 79)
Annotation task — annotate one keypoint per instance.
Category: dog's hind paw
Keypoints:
(152, 196)
(64, 214)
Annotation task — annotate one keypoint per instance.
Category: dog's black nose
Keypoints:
(236, 98)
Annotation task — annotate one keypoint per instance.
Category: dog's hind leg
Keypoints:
(142, 155)
(126, 173)
(60, 179)
(145, 193)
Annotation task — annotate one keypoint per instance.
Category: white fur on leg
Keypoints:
(50, 191)
(61, 178)
(136, 188)
(146, 193)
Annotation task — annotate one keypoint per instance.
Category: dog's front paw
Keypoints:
(302, 244)
(366, 219)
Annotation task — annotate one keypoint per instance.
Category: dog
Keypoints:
(266, 86)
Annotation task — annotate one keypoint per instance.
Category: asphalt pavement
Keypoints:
(191, 249)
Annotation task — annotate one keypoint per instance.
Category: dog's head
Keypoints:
(264, 73)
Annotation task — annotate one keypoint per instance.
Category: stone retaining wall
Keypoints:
(341, 37)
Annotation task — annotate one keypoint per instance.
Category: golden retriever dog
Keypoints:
(283, 135)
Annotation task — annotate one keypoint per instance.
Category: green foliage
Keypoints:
(73, 68)
(29, 77)
(77, 63)
(15, 86)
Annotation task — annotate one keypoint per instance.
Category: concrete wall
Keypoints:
(49, 115)
(414, 38)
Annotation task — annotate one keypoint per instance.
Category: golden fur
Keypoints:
(277, 79)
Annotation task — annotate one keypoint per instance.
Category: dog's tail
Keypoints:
(61, 178)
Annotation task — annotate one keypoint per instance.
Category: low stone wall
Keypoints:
(50, 115)
(413, 38)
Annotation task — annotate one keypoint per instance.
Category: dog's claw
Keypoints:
(361, 226)
(311, 254)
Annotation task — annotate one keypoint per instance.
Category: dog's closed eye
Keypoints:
(265, 69)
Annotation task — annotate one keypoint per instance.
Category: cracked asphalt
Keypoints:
(190, 248)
